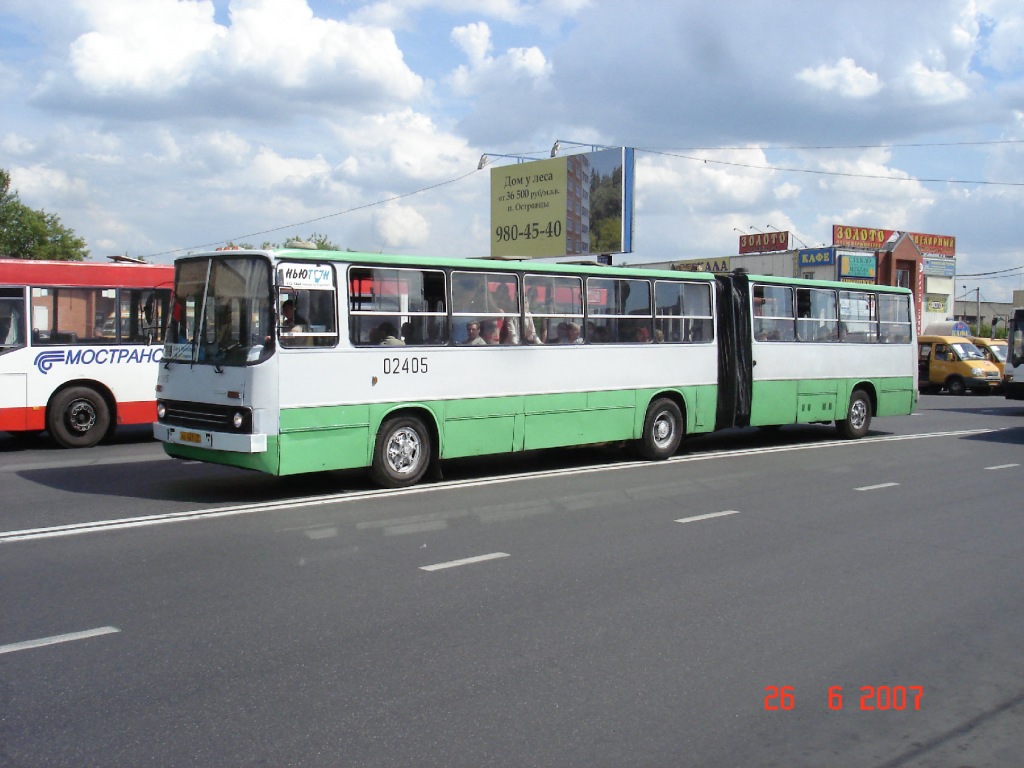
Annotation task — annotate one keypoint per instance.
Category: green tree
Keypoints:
(26, 233)
(322, 242)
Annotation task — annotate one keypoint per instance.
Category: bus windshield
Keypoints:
(221, 313)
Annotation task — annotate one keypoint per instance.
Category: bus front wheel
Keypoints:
(858, 416)
(402, 452)
(78, 417)
(663, 429)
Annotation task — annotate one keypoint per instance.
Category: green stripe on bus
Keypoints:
(341, 437)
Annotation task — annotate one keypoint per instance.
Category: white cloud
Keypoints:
(153, 46)
(242, 115)
(844, 77)
(1002, 49)
(400, 226)
(540, 13)
(147, 52)
(39, 182)
(474, 40)
(282, 41)
(492, 73)
(787, 191)
(16, 145)
(934, 86)
(406, 143)
(218, 150)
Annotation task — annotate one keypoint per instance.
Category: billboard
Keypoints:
(577, 205)
(874, 239)
(857, 268)
(721, 266)
(816, 257)
(939, 267)
(860, 237)
(764, 242)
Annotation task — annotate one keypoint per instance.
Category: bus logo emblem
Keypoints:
(44, 360)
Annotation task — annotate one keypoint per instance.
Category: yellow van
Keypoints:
(955, 363)
(994, 350)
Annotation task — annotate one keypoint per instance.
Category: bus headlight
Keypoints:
(161, 410)
(977, 373)
(238, 420)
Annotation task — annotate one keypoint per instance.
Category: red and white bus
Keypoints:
(80, 344)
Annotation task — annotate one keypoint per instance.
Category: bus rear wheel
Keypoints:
(663, 430)
(402, 452)
(858, 416)
(78, 417)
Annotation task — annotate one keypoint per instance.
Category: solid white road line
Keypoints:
(875, 487)
(464, 561)
(68, 638)
(708, 516)
(74, 529)
(1003, 466)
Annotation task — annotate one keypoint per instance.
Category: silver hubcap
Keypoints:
(664, 430)
(81, 416)
(403, 451)
(858, 414)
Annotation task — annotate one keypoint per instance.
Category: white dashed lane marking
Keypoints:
(464, 561)
(55, 639)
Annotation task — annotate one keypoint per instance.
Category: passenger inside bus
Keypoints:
(489, 332)
(389, 335)
(10, 325)
(473, 337)
(293, 321)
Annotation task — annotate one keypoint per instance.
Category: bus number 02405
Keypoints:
(396, 365)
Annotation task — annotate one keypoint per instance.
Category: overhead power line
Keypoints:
(996, 272)
(313, 221)
(666, 153)
(918, 179)
(761, 147)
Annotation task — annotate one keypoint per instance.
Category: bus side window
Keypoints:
(12, 317)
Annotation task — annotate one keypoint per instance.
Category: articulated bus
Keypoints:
(296, 361)
(79, 346)
(1013, 371)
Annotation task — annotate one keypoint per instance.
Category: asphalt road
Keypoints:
(565, 608)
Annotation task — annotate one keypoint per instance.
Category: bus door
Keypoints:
(735, 380)
(774, 363)
(13, 379)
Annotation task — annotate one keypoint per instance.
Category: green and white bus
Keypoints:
(295, 361)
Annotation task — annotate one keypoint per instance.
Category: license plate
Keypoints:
(191, 437)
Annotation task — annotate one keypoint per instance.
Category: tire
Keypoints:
(78, 417)
(858, 416)
(402, 452)
(955, 386)
(663, 430)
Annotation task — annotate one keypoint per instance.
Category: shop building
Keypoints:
(925, 264)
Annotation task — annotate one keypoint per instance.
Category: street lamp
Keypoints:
(560, 142)
(485, 158)
(793, 234)
(977, 299)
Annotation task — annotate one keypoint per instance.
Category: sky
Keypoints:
(158, 127)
